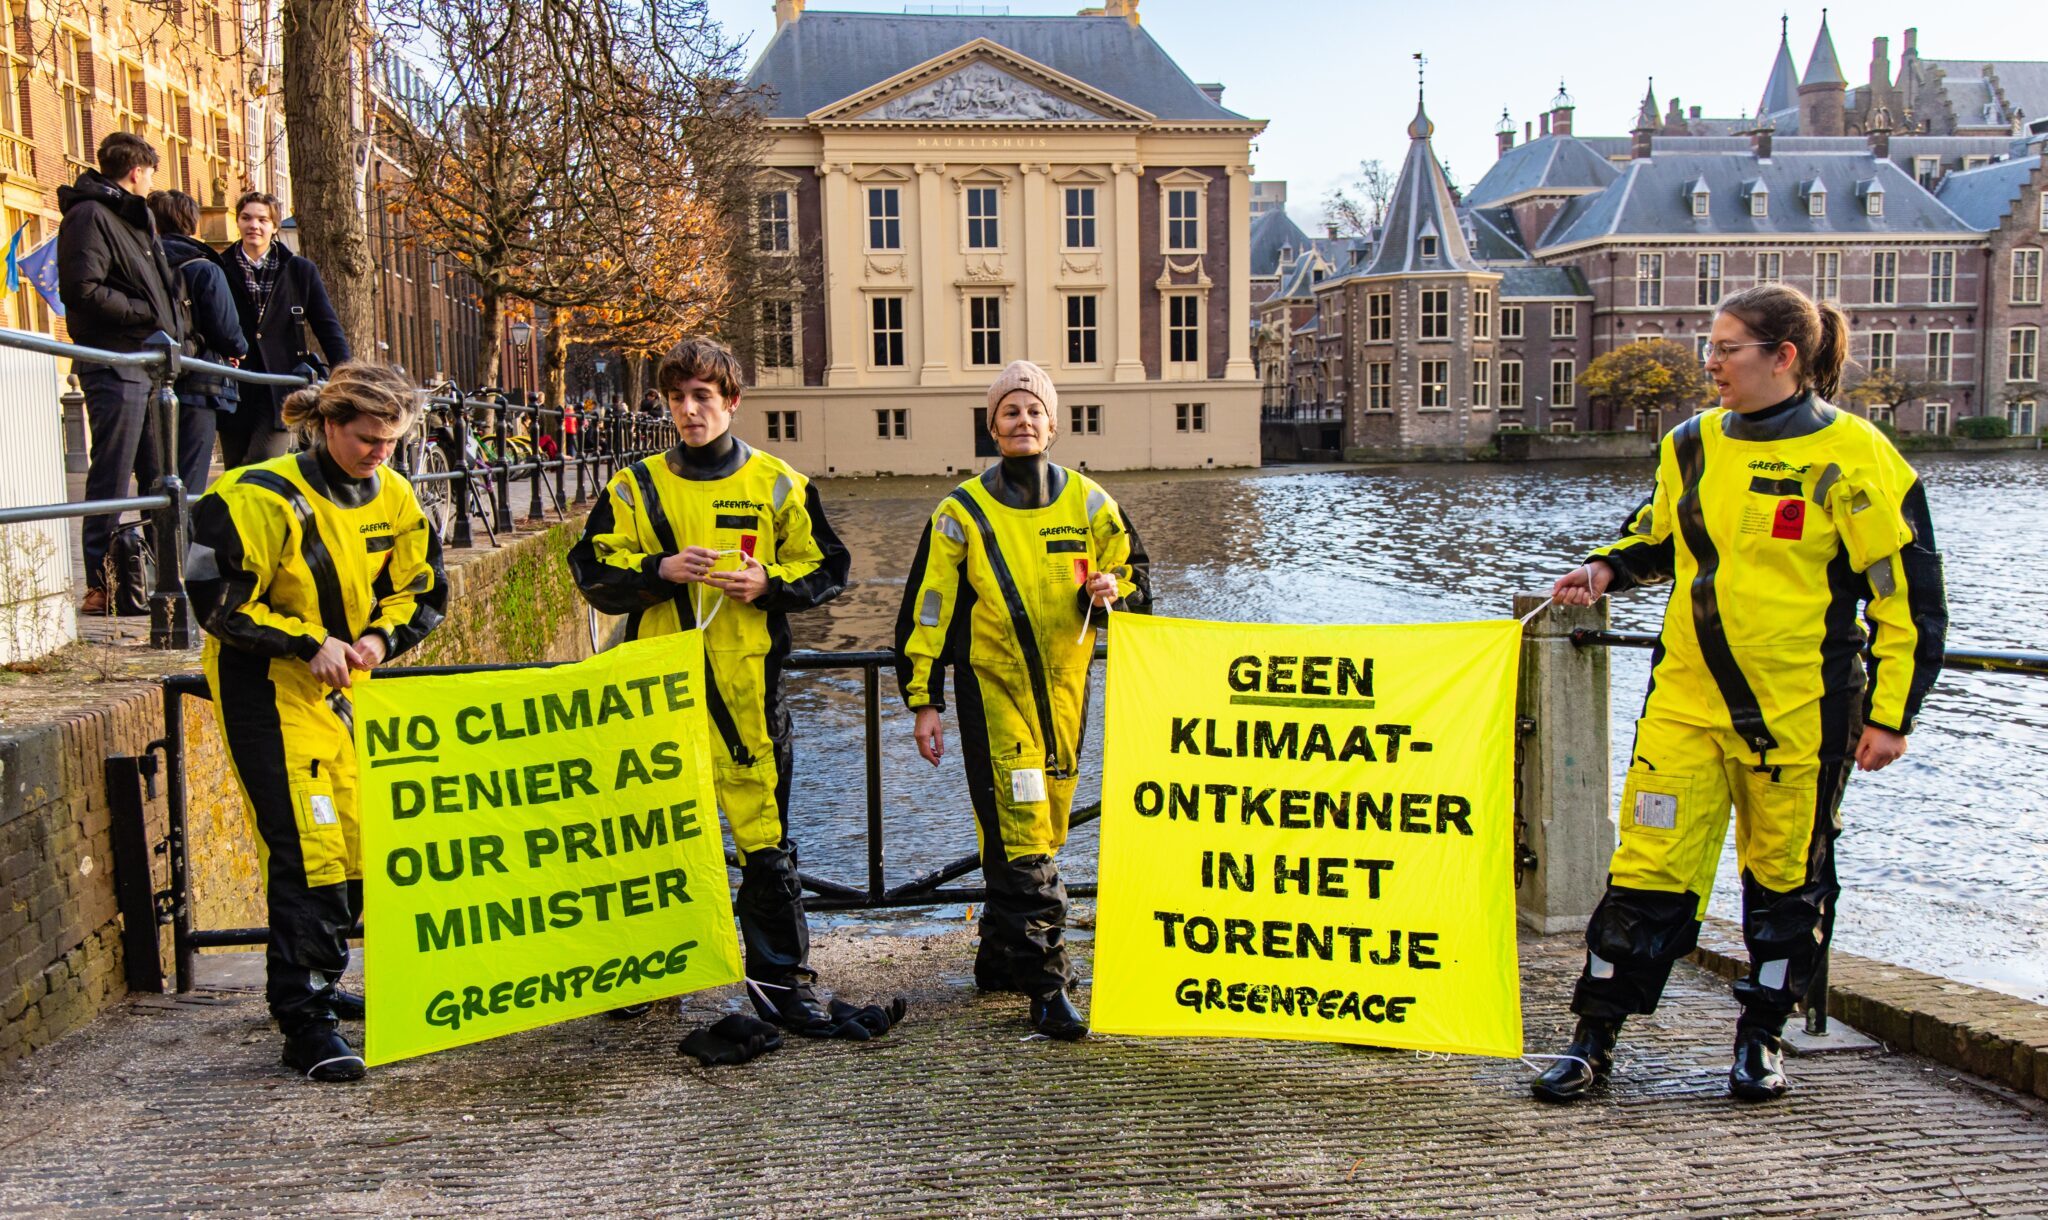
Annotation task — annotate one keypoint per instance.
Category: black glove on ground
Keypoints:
(733, 1040)
(861, 1024)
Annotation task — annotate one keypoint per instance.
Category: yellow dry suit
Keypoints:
(1793, 542)
(765, 509)
(996, 593)
(299, 553)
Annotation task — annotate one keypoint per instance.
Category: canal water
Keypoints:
(1944, 855)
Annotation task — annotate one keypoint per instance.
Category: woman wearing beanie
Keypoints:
(1017, 567)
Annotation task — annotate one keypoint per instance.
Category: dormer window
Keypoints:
(1759, 201)
(1816, 200)
(1700, 197)
(1425, 242)
(1873, 201)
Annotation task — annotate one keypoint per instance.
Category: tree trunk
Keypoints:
(554, 358)
(327, 188)
(490, 335)
(636, 377)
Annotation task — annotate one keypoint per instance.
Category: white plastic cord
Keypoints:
(1574, 1058)
(696, 603)
(1538, 610)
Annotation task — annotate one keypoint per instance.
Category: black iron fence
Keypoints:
(466, 470)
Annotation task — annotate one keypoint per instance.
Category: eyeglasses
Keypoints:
(1725, 350)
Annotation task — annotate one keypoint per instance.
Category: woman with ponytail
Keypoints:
(324, 566)
(1783, 525)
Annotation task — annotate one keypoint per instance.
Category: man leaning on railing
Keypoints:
(118, 290)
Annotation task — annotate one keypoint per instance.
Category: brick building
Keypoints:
(1929, 236)
(182, 77)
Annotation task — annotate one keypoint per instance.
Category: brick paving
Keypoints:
(169, 1106)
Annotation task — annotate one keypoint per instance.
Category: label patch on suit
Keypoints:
(322, 806)
(1657, 810)
(747, 544)
(1064, 546)
(1773, 487)
(1027, 785)
(1788, 520)
(736, 521)
(1081, 570)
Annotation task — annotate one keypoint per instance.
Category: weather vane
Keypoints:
(1421, 62)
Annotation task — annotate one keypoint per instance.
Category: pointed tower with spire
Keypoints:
(1422, 380)
(1781, 91)
(1639, 136)
(1823, 91)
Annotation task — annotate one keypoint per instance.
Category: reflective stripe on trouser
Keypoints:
(295, 763)
(753, 756)
(1682, 780)
(1023, 923)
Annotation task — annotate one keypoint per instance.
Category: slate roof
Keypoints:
(823, 57)
(1421, 208)
(1496, 237)
(2024, 83)
(1269, 233)
(1300, 284)
(1781, 91)
(1543, 282)
(1822, 68)
(1651, 198)
(1559, 163)
(1984, 197)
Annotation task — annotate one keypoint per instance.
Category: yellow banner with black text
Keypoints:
(1308, 832)
(538, 845)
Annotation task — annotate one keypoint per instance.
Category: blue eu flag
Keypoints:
(39, 266)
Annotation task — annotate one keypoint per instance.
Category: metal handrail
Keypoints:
(1977, 660)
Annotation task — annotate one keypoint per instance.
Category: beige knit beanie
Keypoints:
(1024, 375)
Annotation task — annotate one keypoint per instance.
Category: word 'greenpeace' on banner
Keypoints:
(538, 845)
(1308, 832)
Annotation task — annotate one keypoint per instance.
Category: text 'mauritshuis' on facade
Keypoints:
(956, 192)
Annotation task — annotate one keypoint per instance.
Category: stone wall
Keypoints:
(60, 953)
(1558, 446)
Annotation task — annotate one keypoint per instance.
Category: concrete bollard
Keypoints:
(1562, 782)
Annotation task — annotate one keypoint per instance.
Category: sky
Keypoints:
(1335, 81)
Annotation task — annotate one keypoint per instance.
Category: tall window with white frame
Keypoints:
(1190, 417)
(1482, 313)
(1482, 385)
(2026, 275)
(1183, 328)
(1941, 277)
(772, 222)
(776, 342)
(983, 229)
(2019, 417)
(1884, 351)
(2023, 353)
(886, 315)
(885, 218)
(1379, 386)
(1564, 376)
(74, 62)
(1510, 385)
(1941, 349)
(892, 423)
(1511, 321)
(1707, 277)
(1080, 218)
(984, 330)
(1436, 313)
(1081, 328)
(1770, 267)
(1827, 275)
(1884, 277)
(1649, 280)
(1936, 418)
(1436, 384)
(1564, 321)
(1183, 220)
(1379, 317)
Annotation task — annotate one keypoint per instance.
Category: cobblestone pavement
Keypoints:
(179, 1106)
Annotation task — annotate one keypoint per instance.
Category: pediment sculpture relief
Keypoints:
(980, 91)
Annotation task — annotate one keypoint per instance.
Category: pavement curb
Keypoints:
(1987, 1033)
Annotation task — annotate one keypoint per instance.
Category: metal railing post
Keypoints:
(170, 613)
(76, 458)
(870, 674)
(582, 456)
(501, 518)
(463, 501)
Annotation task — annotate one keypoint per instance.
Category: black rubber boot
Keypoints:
(322, 1054)
(348, 1006)
(1053, 1015)
(1586, 1062)
(777, 940)
(1758, 1073)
